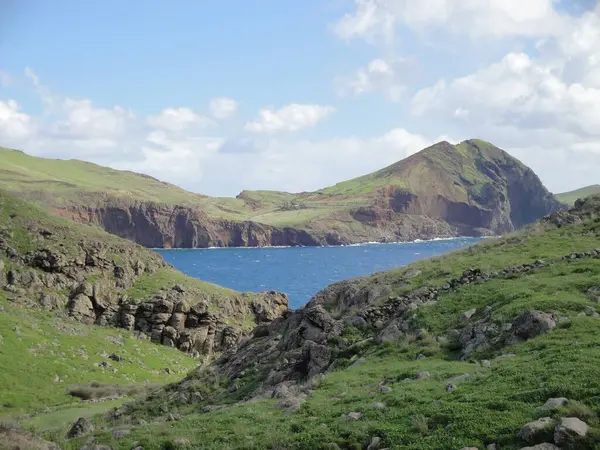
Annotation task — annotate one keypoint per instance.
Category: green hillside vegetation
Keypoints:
(451, 170)
(415, 392)
(571, 197)
(43, 355)
(47, 357)
(73, 181)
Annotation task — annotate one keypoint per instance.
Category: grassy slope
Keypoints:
(64, 183)
(68, 180)
(489, 407)
(570, 197)
(38, 346)
(49, 344)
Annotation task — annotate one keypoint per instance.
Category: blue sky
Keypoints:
(345, 87)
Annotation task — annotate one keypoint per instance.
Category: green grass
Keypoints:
(68, 180)
(490, 406)
(571, 197)
(148, 284)
(63, 416)
(46, 346)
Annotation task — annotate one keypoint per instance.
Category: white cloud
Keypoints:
(544, 108)
(378, 75)
(293, 117)
(375, 20)
(14, 124)
(223, 108)
(179, 119)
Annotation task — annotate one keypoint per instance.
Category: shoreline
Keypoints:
(361, 244)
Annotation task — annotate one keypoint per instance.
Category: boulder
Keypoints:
(80, 427)
(464, 317)
(569, 431)
(104, 294)
(177, 321)
(81, 308)
(52, 301)
(530, 324)
(538, 431)
(84, 288)
(554, 404)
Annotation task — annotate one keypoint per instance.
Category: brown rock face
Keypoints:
(468, 189)
(172, 226)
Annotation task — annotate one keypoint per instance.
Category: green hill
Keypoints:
(459, 351)
(79, 305)
(571, 197)
(472, 188)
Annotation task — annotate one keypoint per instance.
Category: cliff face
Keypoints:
(472, 188)
(171, 226)
(96, 278)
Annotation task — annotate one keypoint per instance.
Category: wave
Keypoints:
(360, 244)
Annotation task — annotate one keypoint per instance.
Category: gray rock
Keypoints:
(375, 443)
(80, 427)
(352, 416)
(464, 317)
(181, 442)
(451, 387)
(554, 403)
(538, 431)
(358, 321)
(391, 333)
(120, 433)
(459, 378)
(422, 375)
(82, 309)
(486, 363)
(379, 405)
(530, 324)
(569, 431)
(384, 389)
(491, 447)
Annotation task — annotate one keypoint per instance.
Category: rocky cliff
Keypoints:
(156, 225)
(472, 188)
(96, 278)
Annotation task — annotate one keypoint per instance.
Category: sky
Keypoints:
(218, 97)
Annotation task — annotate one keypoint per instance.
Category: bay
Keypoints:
(301, 272)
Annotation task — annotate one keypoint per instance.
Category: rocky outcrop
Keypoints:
(308, 341)
(88, 275)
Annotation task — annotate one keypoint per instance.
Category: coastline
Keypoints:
(360, 244)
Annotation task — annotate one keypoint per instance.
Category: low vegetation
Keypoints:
(571, 197)
(418, 390)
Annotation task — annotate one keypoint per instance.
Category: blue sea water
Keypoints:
(300, 272)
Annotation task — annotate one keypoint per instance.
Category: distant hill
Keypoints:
(571, 197)
(472, 188)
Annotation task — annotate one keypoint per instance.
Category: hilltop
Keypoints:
(571, 197)
(466, 350)
(80, 305)
(472, 188)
